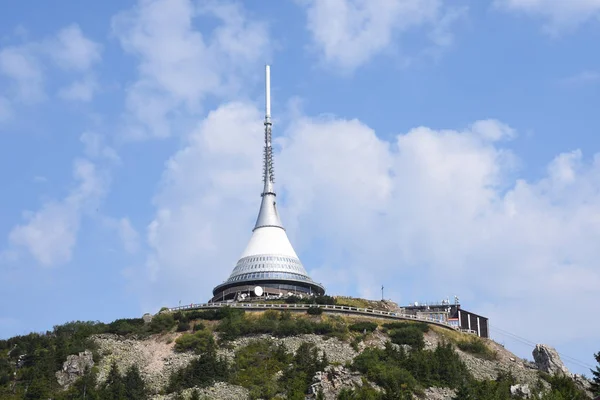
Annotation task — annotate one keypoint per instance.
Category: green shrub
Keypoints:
(181, 316)
(363, 326)
(198, 326)
(314, 311)
(183, 326)
(409, 335)
(422, 326)
(212, 315)
(297, 377)
(199, 342)
(255, 365)
(279, 324)
(127, 326)
(163, 322)
(402, 374)
(202, 372)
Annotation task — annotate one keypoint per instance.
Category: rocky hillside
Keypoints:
(229, 354)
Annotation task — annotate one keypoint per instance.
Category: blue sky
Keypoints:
(440, 148)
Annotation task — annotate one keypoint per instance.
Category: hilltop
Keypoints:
(235, 354)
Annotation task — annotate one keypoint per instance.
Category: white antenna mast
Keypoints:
(267, 94)
(268, 172)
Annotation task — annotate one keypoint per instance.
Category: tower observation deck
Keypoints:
(269, 265)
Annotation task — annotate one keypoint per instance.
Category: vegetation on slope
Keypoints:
(28, 363)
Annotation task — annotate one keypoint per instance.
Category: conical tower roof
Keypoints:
(269, 260)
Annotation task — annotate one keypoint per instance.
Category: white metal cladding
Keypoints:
(269, 240)
(269, 266)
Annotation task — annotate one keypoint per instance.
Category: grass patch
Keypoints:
(351, 302)
(477, 347)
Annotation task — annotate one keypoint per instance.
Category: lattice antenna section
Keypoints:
(268, 167)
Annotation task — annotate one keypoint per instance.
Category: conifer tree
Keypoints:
(135, 388)
(596, 376)
(114, 387)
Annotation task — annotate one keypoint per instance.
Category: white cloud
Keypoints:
(21, 65)
(349, 33)
(50, 234)
(71, 50)
(26, 64)
(128, 235)
(95, 148)
(5, 109)
(81, 90)
(559, 14)
(581, 79)
(431, 213)
(179, 65)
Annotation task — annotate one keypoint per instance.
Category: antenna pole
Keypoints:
(268, 170)
(267, 94)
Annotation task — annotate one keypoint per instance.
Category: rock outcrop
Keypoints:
(333, 379)
(437, 393)
(74, 367)
(521, 391)
(154, 357)
(336, 351)
(547, 360)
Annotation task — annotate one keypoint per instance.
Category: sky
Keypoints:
(438, 148)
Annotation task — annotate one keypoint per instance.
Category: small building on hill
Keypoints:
(453, 314)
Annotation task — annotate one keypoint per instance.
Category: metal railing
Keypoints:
(325, 307)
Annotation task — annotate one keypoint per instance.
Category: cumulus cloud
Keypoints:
(559, 14)
(25, 65)
(431, 213)
(348, 33)
(128, 235)
(50, 234)
(5, 109)
(71, 50)
(21, 65)
(81, 90)
(95, 147)
(178, 65)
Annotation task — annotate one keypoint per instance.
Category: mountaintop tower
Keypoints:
(269, 265)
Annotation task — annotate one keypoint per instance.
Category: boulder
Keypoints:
(74, 367)
(521, 391)
(547, 360)
(147, 318)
